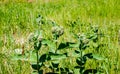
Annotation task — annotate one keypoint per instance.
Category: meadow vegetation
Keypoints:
(97, 20)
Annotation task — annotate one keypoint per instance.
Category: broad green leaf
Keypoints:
(84, 46)
(46, 41)
(68, 45)
(44, 58)
(79, 61)
(57, 56)
(77, 51)
(19, 57)
(35, 66)
(74, 54)
(55, 64)
(92, 36)
(89, 55)
(63, 45)
(97, 57)
(73, 45)
(33, 57)
(95, 45)
(50, 44)
(81, 68)
(76, 71)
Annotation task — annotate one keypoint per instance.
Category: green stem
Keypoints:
(56, 47)
(80, 47)
(116, 64)
(20, 62)
(55, 38)
(37, 61)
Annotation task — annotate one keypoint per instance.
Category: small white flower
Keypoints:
(18, 51)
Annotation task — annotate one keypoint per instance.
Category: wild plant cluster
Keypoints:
(53, 59)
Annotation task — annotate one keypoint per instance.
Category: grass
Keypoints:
(17, 21)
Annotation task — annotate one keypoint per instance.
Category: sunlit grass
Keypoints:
(17, 21)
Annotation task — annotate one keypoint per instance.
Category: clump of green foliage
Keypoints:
(52, 59)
